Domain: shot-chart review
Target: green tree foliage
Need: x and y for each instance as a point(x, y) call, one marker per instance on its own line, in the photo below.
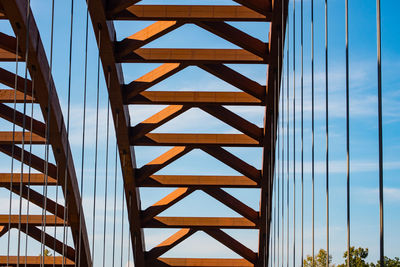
point(46, 253)
point(357, 257)
point(388, 262)
point(320, 260)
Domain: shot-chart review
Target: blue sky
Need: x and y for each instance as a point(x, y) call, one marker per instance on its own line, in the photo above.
point(363, 133)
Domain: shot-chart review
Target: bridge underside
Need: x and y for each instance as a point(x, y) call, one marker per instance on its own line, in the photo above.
point(123, 93)
point(46, 129)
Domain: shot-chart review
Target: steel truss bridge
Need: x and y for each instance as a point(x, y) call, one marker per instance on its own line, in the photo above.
point(50, 129)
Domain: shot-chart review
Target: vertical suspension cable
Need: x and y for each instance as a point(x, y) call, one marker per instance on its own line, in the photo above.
point(274, 219)
point(96, 145)
point(312, 126)
point(23, 130)
point(106, 174)
point(122, 230)
point(55, 228)
point(282, 129)
point(287, 141)
point(29, 172)
point(78, 255)
point(347, 132)
point(379, 66)
point(327, 132)
point(278, 189)
point(302, 139)
point(294, 133)
point(12, 147)
point(278, 168)
point(67, 137)
point(115, 186)
point(275, 134)
point(129, 236)
point(48, 134)
point(47, 147)
point(283, 166)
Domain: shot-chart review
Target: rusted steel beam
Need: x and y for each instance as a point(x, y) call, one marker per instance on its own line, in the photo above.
point(261, 6)
point(195, 98)
point(9, 95)
point(198, 181)
point(152, 78)
point(233, 244)
point(234, 120)
point(169, 243)
point(166, 202)
point(199, 262)
point(6, 56)
point(8, 78)
point(33, 179)
point(3, 230)
point(38, 199)
point(145, 36)
point(198, 140)
point(33, 220)
point(36, 261)
point(236, 79)
point(8, 44)
point(17, 118)
point(233, 203)
point(116, 6)
point(29, 159)
point(234, 162)
point(192, 56)
point(157, 120)
point(38, 66)
point(21, 137)
point(235, 36)
point(187, 12)
point(120, 112)
point(161, 161)
point(276, 39)
point(200, 223)
point(49, 241)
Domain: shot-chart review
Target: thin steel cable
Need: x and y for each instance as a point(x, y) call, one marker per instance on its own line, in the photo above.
point(287, 141)
point(278, 194)
point(327, 132)
point(274, 223)
point(29, 173)
point(278, 212)
point(78, 255)
point(312, 130)
point(122, 230)
point(294, 133)
point(96, 145)
point(12, 147)
point(283, 166)
point(272, 205)
point(380, 127)
point(347, 132)
point(129, 236)
point(65, 236)
point(28, 14)
point(282, 126)
point(276, 92)
point(302, 137)
point(115, 187)
point(106, 175)
point(55, 228)
point(47, 138)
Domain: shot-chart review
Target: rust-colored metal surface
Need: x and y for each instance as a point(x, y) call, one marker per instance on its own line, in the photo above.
point(122, 93)
point(39, 87)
